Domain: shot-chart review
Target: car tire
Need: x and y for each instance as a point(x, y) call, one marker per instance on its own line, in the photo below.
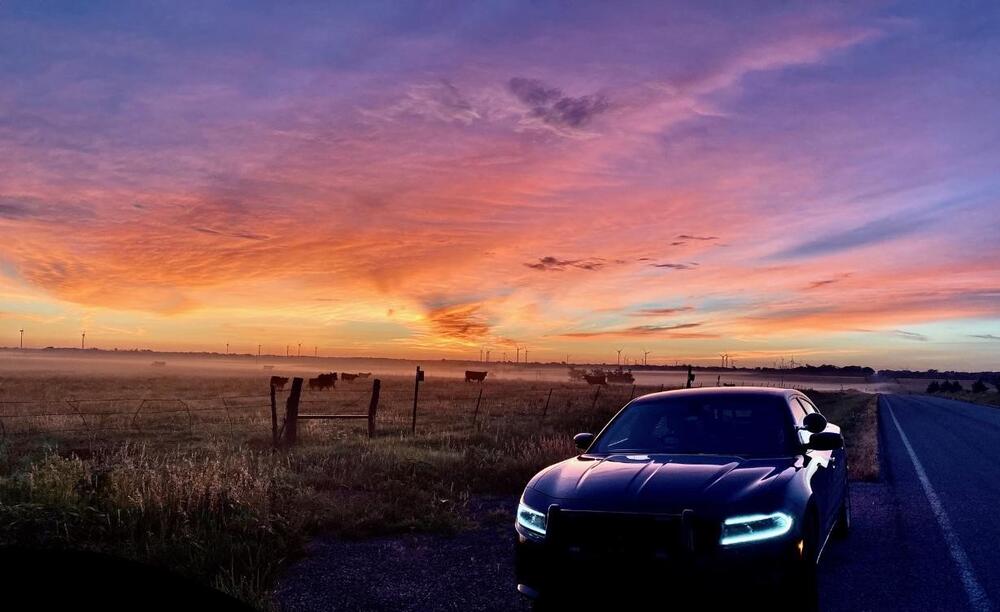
point(543, 605)
point(800, 591)
point(842, 528)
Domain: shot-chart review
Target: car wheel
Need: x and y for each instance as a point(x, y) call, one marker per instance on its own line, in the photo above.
point(842, 528)
point(801, 589)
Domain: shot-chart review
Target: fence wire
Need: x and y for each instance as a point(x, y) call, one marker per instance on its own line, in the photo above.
point(476, 403)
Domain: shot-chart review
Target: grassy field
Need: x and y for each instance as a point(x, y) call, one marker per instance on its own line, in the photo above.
point(195, 486)
point(990, 398)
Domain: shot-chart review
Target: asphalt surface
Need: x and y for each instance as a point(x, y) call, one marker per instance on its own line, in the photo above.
point(925, 537)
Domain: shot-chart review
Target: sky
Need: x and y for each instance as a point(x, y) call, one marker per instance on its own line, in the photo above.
point(770, 180)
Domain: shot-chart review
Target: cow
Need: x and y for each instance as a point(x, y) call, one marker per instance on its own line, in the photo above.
point(323, 381)
point(473, 376)
point(595, 379)
point(364, 374)
point(278, 382)
point(344, 376)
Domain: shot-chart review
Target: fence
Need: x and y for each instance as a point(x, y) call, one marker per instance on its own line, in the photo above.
point(395, 409)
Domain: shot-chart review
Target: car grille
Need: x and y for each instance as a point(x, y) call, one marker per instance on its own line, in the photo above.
point(586, 535)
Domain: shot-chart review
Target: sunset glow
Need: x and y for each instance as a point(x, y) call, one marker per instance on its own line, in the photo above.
point(413, 182)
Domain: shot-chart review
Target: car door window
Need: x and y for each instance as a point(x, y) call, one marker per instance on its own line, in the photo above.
point(799, 414)
point(808, 405)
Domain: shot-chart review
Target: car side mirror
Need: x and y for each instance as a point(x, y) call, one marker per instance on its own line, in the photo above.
point(825, 441)
point(814, 422)
point(583, 440)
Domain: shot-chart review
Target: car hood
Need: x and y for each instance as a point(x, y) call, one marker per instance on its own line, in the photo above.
point(661, 483)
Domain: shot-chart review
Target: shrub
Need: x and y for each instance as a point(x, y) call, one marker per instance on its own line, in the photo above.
point(934, 387)
point(979, 386)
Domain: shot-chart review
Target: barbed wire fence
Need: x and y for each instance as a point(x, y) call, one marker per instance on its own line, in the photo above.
point(240, 416)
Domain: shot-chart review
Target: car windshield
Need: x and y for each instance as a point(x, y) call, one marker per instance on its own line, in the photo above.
point(741, 425)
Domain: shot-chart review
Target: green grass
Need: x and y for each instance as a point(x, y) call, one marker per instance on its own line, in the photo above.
point(212, 501)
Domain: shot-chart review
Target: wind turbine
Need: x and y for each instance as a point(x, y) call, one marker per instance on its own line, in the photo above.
point(645, 354)
point(619, 363)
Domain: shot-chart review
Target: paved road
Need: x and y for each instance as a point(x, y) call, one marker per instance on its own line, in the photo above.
point(924, 538)
point(928, 536)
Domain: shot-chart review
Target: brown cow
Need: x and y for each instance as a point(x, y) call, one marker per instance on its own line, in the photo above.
point(344, 376)
point(323, 381)
point(364, 374)
point(473, 376)
point(595, 379)
point(279, 382)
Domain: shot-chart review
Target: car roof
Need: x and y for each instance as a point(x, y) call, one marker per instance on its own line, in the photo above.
point(705, 392)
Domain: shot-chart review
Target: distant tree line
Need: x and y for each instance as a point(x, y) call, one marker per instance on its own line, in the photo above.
point(947, 375)
point(954, 386)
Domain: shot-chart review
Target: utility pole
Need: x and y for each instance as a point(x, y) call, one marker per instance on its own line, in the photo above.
point(258, 352)
point(525, 355)
point(227, 348)
point(286, 351)
point(480, 354)
point(315, 351)
point(299, 354)
point(83, 340)
point(517, 357)
point(22, 339)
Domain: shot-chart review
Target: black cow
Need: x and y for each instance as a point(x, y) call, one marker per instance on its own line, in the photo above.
point(473, 376)
point(323, 381)
point(278, 382)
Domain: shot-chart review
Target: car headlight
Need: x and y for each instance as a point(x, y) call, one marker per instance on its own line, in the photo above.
point(754, 527)
point(531, 519)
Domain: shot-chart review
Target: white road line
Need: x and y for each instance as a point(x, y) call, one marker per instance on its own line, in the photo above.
point(973, 590)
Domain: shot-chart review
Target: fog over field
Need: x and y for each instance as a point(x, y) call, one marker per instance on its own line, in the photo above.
point(145, 364)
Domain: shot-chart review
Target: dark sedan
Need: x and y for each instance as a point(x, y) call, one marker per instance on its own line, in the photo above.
point(735, 487)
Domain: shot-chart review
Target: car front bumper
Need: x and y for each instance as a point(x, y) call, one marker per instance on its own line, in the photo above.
point(545, 570)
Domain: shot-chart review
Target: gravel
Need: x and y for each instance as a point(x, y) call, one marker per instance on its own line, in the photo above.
point(472, 570)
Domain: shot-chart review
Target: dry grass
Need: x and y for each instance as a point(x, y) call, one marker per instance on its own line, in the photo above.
point(989, 398)
point(209, 498)
point(857, 416)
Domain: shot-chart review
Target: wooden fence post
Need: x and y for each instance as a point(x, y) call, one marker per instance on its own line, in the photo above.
point(475, 414)
point(373, 407)
point(632, 394)
point(596, 395)
point(547, 400)
point(416, 391)
point(292, 413)
point(274, 420)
